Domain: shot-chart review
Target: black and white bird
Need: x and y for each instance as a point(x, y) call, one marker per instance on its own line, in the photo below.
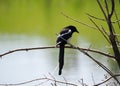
point(62, 39)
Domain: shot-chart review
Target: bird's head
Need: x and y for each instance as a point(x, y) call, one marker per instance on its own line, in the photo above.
point(72, 28)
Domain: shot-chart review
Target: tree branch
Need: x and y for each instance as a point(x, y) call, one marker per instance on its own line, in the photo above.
point(77, 21)
point(95, 17)
point(101, 31)
point(112, 36)
point(112, 9)
point(102, 9)
point(117, 20)
point(50, 47)
point(100, 64)
point(106, 6)
point(73, 47)
point(40, 79)
point(106, 80)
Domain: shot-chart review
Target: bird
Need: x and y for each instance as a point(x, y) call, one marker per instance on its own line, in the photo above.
point(62, 39)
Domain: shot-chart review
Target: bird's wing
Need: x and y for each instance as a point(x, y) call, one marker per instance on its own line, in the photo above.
point(64, 33)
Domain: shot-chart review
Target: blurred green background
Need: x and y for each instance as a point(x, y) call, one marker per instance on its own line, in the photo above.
point(44, 18)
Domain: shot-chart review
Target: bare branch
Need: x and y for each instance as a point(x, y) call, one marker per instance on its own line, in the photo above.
point(50, 47)
point(102, 9)
point(105, 32)
point(65, 80)
point(112, 9)
point(112, 36)
point(100, 64)
point(82, 82)
point(77, 21)
point(26, 49)
point(39, 79)
point(106, 6)
point(106, 80)
point(102, 32)
point(95, 17)
point(93, 80)
point(53, 79)
point(117, 19)
point(57, 81)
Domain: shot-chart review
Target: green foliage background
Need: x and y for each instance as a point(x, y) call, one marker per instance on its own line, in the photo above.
point(44, 18)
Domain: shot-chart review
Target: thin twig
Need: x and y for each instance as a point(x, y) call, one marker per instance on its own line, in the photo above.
point(77, 21)
point(53, 79)
point(107, 79)
point(82, 82)
point(95, 17)
point(112, 9)
point(93, 79)
point(106, 6)
point(102, 32)
point(30, 81)
point(39, 79)
point(102, 9)
point(65, 80)
point(25, 49)
point(117, 19)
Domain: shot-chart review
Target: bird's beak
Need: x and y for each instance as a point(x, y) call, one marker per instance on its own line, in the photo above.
point(77, 31)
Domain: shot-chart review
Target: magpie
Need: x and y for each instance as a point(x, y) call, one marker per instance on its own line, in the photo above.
point(62, 39)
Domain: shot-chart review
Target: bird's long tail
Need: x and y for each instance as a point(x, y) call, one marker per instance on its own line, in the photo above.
point(61, 59)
